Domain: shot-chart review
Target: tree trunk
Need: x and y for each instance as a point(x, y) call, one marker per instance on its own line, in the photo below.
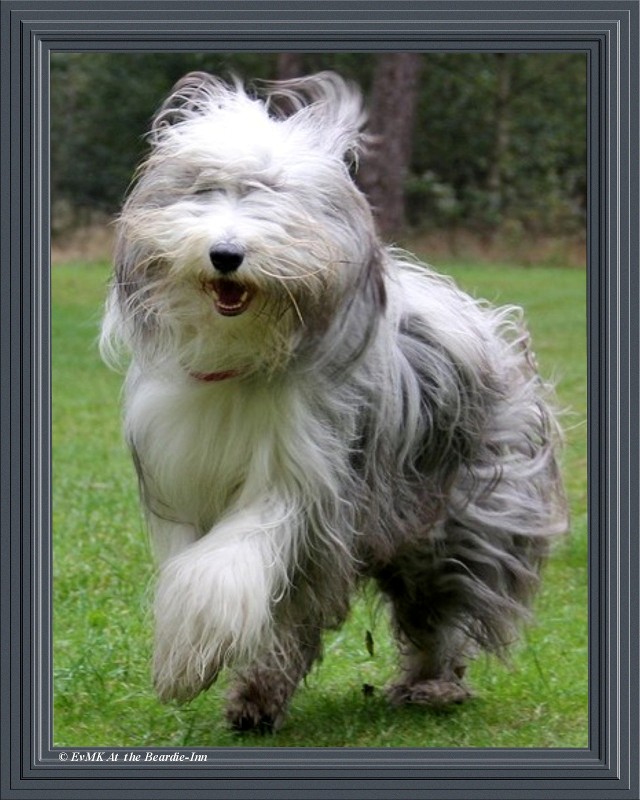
point(383, 171)
point(496, 175)
point(289, 65)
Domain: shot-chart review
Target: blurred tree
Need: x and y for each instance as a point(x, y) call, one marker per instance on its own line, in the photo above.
point(527, 112)
point(290, 65)
point(385, 168)
point(501, 131)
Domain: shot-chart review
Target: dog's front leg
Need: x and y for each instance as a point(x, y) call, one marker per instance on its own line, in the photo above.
point(259, 699)
point(214, 599)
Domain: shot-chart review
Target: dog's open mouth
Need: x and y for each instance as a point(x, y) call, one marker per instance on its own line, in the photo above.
point(230, 297)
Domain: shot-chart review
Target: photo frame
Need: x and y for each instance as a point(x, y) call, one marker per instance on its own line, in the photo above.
point(609, 36)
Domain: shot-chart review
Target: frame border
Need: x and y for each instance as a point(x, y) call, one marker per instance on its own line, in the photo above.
point(608, 33)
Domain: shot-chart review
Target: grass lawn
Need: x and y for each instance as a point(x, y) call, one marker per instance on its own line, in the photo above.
point(102, 572)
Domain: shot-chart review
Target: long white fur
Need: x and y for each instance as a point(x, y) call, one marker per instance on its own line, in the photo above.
point(240, 463)
point(250, 478)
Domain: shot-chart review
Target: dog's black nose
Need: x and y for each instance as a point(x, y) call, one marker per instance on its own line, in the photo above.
point(226, 257)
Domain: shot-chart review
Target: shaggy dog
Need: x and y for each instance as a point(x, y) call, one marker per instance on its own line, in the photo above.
point(308, 409)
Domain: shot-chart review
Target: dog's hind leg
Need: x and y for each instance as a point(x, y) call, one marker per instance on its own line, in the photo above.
point(259, 699)
point(434, 651)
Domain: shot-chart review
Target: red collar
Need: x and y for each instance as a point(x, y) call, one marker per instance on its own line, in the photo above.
point(214, 377)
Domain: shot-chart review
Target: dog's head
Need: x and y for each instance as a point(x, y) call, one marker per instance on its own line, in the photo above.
point(244, 240)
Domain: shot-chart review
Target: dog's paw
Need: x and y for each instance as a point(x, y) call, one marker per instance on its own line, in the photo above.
point(249, 716)
point(245, 713)
point(434, 693)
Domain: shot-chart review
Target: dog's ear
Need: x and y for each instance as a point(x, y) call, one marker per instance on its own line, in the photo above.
point(191, 96)
point(329, 108)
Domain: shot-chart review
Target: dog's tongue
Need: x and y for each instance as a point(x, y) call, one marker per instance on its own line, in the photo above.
point(231, 297)
point(229, 292)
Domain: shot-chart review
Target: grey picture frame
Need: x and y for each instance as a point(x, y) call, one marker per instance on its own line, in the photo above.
point(608, 34)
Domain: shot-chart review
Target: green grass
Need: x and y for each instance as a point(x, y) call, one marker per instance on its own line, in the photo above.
point(102, 572)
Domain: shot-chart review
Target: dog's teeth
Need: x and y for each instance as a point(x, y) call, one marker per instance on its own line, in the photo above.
point(238, 300)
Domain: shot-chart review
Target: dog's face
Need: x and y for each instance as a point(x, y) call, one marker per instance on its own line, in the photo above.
point(244, 233)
